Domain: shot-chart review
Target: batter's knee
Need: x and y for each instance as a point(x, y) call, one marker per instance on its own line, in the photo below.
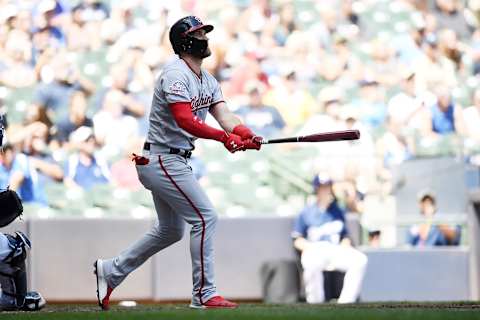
point(167, 234)
point(207, 220)
point(210, 218)
point(176, 235)
point(171, 235)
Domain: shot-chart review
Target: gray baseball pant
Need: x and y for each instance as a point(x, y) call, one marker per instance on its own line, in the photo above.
point(178, 197)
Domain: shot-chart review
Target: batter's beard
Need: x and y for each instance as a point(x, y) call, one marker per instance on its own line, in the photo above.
point(200, 48)
point(206, 53)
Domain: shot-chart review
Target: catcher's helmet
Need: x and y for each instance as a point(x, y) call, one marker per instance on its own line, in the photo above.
point(181, 39)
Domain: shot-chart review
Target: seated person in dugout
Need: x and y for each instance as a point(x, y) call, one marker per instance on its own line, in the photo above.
point(320, 235)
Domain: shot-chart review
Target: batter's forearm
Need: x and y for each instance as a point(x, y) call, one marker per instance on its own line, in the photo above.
point(229, 122)
point(225, 118)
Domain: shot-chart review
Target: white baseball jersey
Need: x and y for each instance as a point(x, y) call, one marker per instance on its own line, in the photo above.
point(178, 83)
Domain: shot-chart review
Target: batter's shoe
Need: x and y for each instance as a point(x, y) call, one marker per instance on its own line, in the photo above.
point(217, 302)
point(103, 290)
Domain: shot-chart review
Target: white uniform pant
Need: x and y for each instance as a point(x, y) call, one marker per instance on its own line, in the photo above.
point(326, 256)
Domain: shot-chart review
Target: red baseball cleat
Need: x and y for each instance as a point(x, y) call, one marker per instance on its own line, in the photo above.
point(217, 302)
point(103, 290)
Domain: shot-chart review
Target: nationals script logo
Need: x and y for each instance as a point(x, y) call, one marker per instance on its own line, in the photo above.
point(203, 102)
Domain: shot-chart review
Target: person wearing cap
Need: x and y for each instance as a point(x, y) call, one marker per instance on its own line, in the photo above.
point(85, 169)
point(262, 119)
point(46, 13)
point(427, 233)
point(321, 237)
point(405, 107)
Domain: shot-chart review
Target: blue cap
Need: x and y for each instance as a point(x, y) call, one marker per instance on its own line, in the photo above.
point(321, 180)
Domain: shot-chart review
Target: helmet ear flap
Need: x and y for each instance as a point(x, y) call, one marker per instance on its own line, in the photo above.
point(177, 39)
point(186, 44)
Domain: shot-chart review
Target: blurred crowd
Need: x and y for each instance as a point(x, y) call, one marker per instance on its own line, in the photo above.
point(404, 72)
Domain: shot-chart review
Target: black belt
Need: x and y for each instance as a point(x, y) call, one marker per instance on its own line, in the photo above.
point(183, 153)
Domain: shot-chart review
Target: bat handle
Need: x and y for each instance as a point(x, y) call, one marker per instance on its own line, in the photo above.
point(260, 139)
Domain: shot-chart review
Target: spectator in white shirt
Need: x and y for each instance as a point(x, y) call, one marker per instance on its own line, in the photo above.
point(404, 107)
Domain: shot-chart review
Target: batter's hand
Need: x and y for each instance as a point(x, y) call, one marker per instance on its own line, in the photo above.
point(243, 131)
point(233, 142)
point(253, 143)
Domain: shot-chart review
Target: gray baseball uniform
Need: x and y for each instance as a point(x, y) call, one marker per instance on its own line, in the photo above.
point(176, 193)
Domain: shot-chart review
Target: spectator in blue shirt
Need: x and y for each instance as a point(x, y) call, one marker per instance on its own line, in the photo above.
point(428, 233)
point(85, 169)
point(35, 146)
point(444, 116)
point(266, 121)
point(18, 173)
point(321, 236)
point(47, 12)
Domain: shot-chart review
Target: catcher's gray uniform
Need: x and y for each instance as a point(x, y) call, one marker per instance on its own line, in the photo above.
point(176, 193)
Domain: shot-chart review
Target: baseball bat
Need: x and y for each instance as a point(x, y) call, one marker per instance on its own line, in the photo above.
point(319, 137)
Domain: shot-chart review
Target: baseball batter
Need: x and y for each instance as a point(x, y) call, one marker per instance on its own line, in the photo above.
point(184, 93)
